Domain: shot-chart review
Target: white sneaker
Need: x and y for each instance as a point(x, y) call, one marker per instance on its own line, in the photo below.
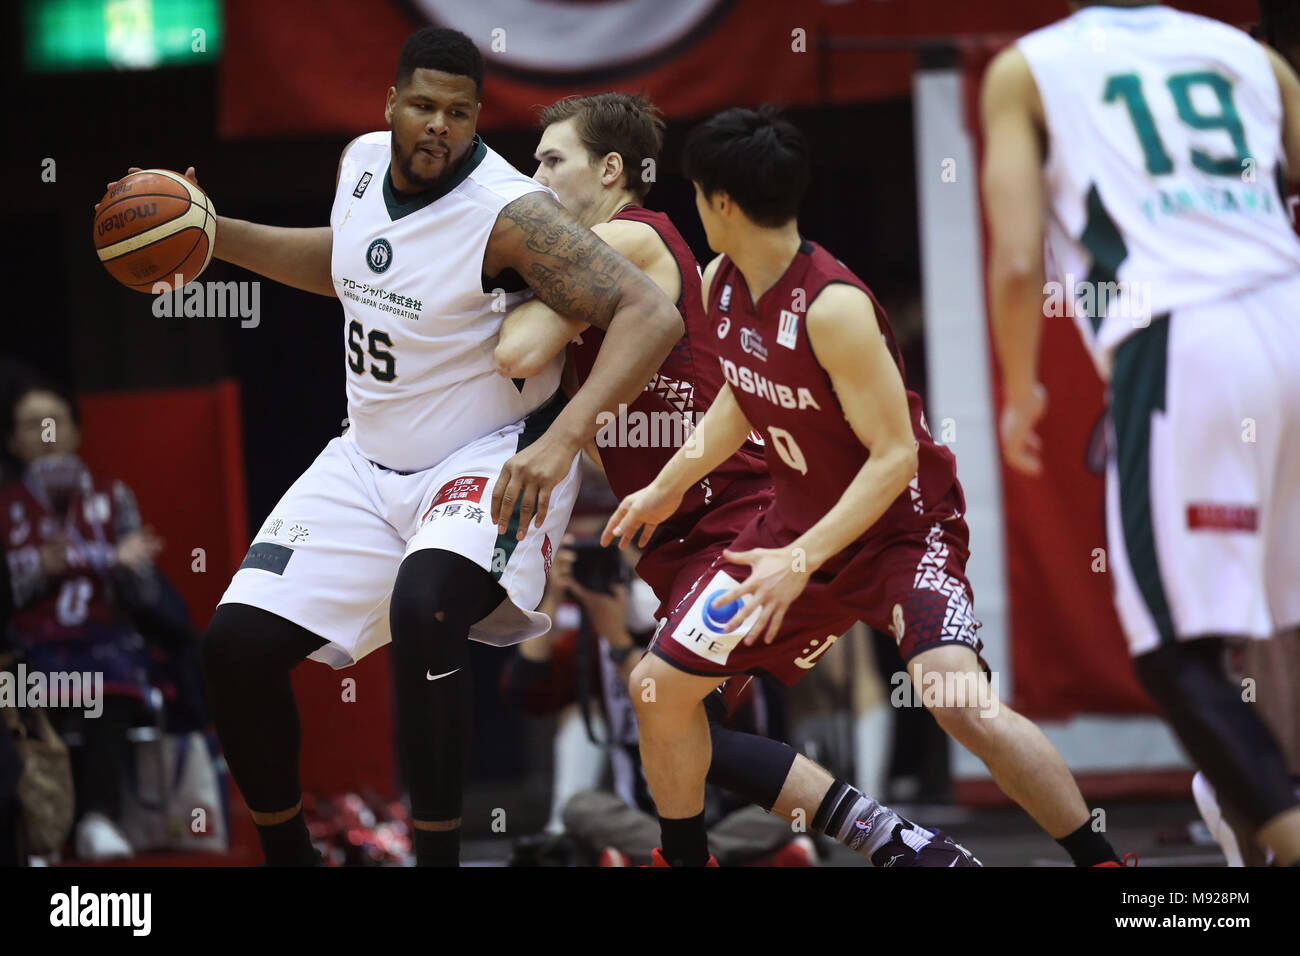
point(98, 838)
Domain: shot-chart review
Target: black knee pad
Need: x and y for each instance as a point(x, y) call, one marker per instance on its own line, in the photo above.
point(241, 639)
point(715, 708)
point(247, 656)
point(437, 597)
point(753, 767)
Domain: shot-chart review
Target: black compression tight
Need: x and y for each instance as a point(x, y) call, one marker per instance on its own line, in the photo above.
point(438, 596)
point(1223, 734)
point(247, 656)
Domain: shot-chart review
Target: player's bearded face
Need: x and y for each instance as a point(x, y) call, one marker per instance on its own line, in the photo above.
point(433, 118)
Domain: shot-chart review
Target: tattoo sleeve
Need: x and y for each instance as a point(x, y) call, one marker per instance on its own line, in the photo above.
point(575, 273)
point(566, 264)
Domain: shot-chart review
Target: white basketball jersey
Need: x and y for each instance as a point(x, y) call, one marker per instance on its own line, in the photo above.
point(1164, 166)
point(419, 327)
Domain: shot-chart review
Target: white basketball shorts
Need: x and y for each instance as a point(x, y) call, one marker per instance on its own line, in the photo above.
point(1203, 477)
point(327, 556)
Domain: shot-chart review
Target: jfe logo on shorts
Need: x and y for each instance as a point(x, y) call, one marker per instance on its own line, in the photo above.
point(701, 630)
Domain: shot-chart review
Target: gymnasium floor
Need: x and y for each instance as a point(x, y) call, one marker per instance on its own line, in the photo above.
point(1161, 834)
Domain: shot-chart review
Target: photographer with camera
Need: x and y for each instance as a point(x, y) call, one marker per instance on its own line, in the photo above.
point(586, 657)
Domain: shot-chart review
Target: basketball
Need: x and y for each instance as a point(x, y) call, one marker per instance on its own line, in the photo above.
point(152, 226)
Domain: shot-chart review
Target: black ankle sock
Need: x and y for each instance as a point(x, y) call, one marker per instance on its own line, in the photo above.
point(437, 847)
point(287, 843)
point(1087, 847)
point(685, 841)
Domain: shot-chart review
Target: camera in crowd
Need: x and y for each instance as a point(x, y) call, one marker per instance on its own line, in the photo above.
point(599, 568)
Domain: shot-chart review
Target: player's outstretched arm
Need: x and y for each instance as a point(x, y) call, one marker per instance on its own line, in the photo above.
point(295, 257)
point(1011, 113)
point(534, 333)
point(717, 437)
point(579, 276)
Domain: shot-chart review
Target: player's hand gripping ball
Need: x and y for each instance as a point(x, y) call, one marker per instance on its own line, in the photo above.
point(152, 226)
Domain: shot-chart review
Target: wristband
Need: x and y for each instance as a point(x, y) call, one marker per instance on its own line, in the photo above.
point(621, 654)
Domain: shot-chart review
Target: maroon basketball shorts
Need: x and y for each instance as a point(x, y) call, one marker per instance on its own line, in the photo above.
point(684, 550)
point(911, 584)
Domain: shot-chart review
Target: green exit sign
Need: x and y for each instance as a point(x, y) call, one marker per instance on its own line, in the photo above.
point(67, 35)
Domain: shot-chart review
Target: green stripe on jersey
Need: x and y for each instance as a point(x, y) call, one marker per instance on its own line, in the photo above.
point(1137, 389)
point(1101, 237)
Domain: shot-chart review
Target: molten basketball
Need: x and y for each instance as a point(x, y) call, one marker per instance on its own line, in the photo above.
point(152, 226)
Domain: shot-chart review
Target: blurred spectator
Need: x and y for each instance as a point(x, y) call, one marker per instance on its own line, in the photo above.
point(15, 379)
point(79, 566)
point(603, 618)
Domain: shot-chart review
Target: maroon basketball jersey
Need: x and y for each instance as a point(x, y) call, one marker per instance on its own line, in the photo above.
point(81, 596)
point(634, 449)
point(812, 452)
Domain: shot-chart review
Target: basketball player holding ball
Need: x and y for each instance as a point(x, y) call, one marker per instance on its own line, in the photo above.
point(432, 519)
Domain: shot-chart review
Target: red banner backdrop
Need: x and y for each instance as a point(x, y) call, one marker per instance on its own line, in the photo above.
point(324, 66)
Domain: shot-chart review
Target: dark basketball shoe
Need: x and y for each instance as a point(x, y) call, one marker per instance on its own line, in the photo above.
point(909, 846)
